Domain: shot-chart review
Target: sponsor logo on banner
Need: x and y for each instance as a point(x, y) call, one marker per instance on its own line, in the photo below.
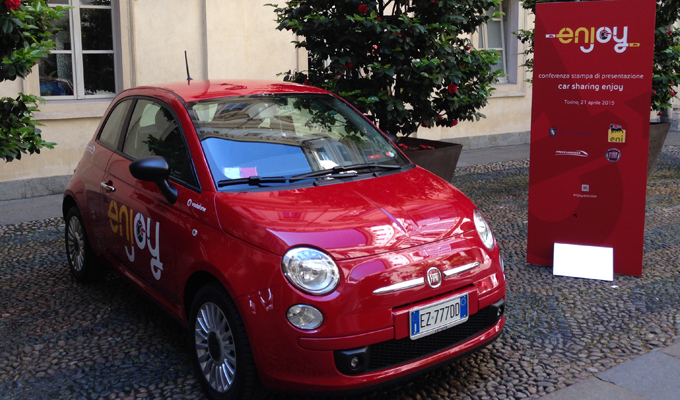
point(613, 155)
point(575, 153)
point(585, 192)
point(554, 132)
point(588, 36)
point(617, 134)
point(585, 196)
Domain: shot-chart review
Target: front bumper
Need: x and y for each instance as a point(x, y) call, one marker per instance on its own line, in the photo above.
point(289, 361)
point(375, 327)
point(393, 353)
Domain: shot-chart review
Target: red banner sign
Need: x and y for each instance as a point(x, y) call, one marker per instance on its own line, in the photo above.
point(590, 128)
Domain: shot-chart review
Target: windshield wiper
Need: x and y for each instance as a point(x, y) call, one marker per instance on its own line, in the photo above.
point(337, 172)
point(252, 180)
point(343, 171)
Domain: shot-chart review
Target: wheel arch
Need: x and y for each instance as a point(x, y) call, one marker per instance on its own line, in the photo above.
point(67, 204)
point(195, 282)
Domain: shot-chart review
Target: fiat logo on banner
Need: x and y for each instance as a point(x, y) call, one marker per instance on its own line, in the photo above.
point(434, 277)
point(613, 155)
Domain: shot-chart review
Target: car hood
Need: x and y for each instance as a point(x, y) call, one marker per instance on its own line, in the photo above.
point(349, 219)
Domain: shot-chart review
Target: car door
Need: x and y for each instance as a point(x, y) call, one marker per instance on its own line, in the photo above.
point(142, 220)
point(94, 163)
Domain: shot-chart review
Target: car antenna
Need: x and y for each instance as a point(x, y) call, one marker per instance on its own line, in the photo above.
point(186, 60)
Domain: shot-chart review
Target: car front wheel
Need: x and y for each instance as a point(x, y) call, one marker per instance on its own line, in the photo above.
point(219, 347)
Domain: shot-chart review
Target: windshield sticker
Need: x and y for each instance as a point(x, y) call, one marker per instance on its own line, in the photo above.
point(239, 172)
point(137, 231)
point(374, 156)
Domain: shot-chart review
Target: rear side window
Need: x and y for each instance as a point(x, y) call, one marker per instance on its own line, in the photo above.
point(110, 133)
point(153, 130)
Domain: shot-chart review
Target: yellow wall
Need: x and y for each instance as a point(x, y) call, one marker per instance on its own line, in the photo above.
point(503, 115)
point(71, 136)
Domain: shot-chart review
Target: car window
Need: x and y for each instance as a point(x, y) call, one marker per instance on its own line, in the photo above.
point(285, 135)
point(153, 130)
point(110, 133)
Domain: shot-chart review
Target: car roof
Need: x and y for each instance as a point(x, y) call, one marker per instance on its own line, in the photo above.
point(209, 89)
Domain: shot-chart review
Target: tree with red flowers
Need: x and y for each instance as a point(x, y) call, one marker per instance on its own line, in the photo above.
point(404, 63)
point(25, 30)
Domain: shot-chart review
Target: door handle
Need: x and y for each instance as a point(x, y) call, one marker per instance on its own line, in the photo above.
point(108, 187)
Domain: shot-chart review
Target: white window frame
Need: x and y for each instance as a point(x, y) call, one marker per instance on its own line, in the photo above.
point(484, 38)
point(77, 51)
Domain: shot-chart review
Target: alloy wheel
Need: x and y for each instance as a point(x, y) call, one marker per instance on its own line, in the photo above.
point(215, 347)
point(76, 244)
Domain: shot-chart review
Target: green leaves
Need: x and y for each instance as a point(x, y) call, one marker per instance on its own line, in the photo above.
point(18, 131)
point(394, 61)
point(666, 74)
point(29, 26)
point(24, 39)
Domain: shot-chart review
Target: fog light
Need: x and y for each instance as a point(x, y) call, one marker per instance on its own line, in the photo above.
point(304, 317)
point(354, 363)
point(351, 362)
point(497, 310)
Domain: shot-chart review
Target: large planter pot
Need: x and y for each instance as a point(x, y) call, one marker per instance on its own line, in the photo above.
point(441, 160)
point(657, 135)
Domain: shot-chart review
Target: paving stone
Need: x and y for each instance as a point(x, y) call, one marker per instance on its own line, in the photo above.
point(559, 331)
point(653, 375)
point(593, 389)
point(673, 350)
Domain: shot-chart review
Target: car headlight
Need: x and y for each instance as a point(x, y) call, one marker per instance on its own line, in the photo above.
point(310, 270)
point(483, 229)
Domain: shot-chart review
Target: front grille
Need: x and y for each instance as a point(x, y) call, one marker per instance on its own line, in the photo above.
point(395, 352)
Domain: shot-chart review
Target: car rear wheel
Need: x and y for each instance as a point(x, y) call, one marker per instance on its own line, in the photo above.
point(81, 259)
point(219, 347)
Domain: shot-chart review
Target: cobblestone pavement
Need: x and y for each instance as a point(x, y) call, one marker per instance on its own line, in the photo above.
point(59, 339)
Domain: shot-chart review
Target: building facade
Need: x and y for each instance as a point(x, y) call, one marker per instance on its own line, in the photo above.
point(106, 46)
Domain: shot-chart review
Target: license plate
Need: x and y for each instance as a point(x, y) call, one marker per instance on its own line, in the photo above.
point(436, 317)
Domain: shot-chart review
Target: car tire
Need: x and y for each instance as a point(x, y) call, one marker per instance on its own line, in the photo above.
point(220, 349)
point(82, 262)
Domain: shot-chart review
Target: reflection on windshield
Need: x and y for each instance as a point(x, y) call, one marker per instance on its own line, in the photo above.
point(285, 135)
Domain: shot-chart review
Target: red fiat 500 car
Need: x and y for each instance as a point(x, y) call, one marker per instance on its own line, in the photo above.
point(297, 243)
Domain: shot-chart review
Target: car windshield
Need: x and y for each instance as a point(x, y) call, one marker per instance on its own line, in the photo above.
point(288, 135)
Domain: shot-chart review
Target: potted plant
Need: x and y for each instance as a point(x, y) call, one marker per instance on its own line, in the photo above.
point(406, 64)
point(25, 29)
point(666, 73)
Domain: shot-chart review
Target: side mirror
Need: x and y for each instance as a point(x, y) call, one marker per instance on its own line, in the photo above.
point(155, 169)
